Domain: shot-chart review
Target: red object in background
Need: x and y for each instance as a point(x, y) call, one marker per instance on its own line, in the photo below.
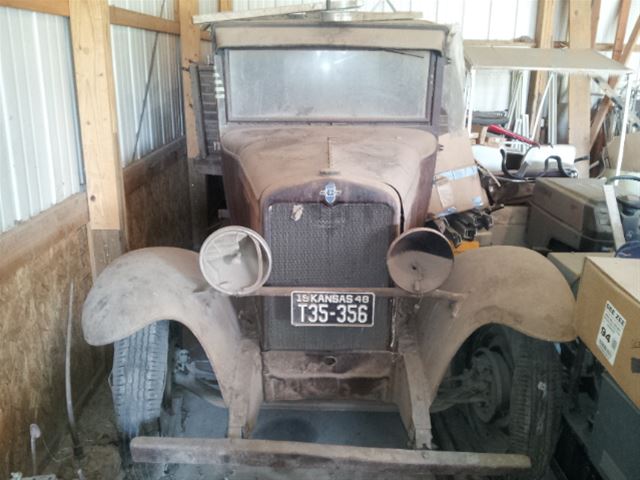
point(508, 133)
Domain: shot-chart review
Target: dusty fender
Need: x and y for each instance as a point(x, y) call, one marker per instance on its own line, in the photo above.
point(152, 284)
point(511, 286)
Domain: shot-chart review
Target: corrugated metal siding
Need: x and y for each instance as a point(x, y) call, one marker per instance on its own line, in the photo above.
point(207, 6)
point(162, 120)
point(479, 19)
point(150, 7)
point(239, 5)
point(132, 53)
point(40, 155)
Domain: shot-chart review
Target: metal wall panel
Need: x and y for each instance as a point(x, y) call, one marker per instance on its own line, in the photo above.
point(478, 19)
point(162, 121)
point(133, 48)
point(150, 7)
point(207, 6)
point(40, 154)
point(239, 5)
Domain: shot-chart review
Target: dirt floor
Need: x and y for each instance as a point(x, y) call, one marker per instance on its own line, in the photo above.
point(99, 438)
point(97, 431)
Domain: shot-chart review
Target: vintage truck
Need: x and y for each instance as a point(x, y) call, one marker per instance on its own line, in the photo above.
point(327, 288)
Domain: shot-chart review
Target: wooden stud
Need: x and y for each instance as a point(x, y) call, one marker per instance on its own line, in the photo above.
point(595, 19)
point(176, 10)
point(580, 85)
point(544, 39)
point(621, 28)
point(91, 46)
point(53, 7)
point(226, 5)
point(190, 54)
point(129, 18)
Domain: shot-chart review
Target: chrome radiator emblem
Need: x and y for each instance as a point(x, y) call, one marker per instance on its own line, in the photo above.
point(330, 193)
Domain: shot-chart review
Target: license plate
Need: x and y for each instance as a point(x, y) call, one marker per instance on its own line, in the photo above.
point(330, 309)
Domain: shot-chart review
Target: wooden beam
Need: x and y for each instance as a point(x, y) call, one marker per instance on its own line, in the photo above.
point(544, 39)
point(580, 85)
point(53, 7)
point(595, 19)
point(190, 54)
point(27, 240)
point(621, 28)
point(129, 18)
point(91, 46)
point(631, 44)
point(621, 53)
point(226, 5)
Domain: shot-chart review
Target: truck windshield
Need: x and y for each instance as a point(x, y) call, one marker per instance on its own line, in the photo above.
point(327, 85)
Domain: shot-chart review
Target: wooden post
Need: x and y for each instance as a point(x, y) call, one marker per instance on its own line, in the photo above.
point(595, 19)
point(621, 28)
point(580, 85)
point(189, 54)
point(544, 39)
point(93, 66)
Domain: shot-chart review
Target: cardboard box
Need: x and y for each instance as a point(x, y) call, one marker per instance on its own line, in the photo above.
point(456, 182)
point(607, 316)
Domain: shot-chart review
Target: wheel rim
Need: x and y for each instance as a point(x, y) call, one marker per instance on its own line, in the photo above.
point(492, 363)
point(491, 369)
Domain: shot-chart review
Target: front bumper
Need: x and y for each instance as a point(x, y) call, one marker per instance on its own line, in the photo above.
point(280, 455)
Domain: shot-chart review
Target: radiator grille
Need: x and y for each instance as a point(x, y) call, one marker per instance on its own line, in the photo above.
point(316, 245)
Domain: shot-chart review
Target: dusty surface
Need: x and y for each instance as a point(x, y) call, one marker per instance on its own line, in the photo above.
point(199, 419)
point(97, 431)
point(158, 204)
point(33, 316)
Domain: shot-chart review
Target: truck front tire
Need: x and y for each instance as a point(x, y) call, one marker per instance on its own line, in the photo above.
point(138, 383)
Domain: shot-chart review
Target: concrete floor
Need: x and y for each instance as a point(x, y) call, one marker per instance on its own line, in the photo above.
point(199, 419)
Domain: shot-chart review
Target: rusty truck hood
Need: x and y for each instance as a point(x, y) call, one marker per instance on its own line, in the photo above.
point(277, 156)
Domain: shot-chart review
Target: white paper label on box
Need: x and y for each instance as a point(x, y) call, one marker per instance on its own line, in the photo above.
point(610, 332)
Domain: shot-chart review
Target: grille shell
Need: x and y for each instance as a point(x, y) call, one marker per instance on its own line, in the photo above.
point(344, 245)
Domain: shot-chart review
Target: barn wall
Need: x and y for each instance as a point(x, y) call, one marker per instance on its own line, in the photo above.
point(34, 293)
point(145, 124)
point(157, 198)
point(43, 210)
point(39, 138)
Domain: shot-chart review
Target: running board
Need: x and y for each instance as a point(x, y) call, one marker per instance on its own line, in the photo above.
point(299, 455)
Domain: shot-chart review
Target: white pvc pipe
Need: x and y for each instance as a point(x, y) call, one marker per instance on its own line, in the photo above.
point(623, 132)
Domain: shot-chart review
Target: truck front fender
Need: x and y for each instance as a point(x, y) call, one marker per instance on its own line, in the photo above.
point(511, 286)
point(153, 284)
